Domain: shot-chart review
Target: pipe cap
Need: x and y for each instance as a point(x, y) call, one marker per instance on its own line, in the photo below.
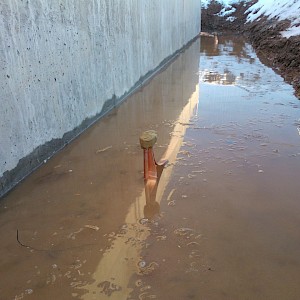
point(148, 139)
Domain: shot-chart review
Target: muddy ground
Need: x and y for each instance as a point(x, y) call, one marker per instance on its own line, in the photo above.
point(280, 53)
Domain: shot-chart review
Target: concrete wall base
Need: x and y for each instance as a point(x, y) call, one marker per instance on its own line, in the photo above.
point(42, 153)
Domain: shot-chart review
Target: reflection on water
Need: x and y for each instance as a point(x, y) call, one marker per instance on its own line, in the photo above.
point(82, 215)
point(225, 48)
point(214, 77)
point(122, 260)
point(223, 222)
point(230, 220)
point(152, 207)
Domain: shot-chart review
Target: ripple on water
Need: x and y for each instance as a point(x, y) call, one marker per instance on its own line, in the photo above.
point(145, 269)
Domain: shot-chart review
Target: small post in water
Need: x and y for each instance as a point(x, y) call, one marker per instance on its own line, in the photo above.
point(152, 169)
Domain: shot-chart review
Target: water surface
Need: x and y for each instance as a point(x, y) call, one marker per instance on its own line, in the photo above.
point(225, 221)
point(74, 229)
point(230, 214)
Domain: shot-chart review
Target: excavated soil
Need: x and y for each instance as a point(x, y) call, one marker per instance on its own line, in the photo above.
point(211, 22)
point(280, 53)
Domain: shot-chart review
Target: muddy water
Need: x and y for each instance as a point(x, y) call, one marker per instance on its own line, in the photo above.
point(225, 221)
point(230, 213)
point(76, 227)
point(230, 224)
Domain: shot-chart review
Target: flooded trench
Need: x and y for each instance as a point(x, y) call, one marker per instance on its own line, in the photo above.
point(225, 221)
point(72, 229)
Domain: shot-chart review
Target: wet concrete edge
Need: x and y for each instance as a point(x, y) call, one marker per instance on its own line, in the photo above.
point(42, 153)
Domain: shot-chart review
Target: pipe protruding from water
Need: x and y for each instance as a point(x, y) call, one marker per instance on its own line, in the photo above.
point(152, 169)
point(148, 139)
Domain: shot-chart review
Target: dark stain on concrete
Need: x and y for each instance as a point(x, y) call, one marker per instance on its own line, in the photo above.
point(43, 152)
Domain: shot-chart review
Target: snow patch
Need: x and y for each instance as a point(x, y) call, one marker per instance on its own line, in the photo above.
point(231, 19)
point(292, 31)
point(278, 9)
point(224, 3)
point(224, 12)
point(205, 3)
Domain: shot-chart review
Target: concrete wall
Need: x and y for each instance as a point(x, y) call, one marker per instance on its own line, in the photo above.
point(64, 63)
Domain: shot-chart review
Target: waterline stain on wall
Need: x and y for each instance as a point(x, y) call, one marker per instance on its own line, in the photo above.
point(64, 64)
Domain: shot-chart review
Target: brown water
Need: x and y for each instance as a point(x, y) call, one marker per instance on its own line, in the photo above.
point(225, 223)
point(79, 214)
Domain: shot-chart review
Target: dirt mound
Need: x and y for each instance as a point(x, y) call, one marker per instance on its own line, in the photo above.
point(282, 54)
point(211, 21)
point(278, 52)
